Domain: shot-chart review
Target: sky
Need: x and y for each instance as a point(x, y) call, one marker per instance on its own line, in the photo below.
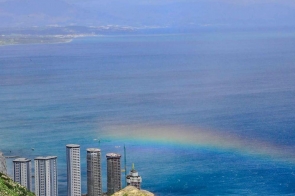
point(138, 13)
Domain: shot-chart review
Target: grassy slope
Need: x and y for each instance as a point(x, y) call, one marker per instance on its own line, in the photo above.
point(10, 188)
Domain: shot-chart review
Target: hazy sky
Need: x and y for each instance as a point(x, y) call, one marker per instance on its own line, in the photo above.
point(148, 12)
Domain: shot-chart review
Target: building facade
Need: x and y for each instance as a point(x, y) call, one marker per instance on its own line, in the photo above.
point(113, 173)
point(94, 185)
point(46, 176)
point(133, 178)
point(73, 170)
point(22, 172)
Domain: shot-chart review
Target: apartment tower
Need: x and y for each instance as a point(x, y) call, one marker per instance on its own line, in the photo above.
point(22, 172)
point(73, 170)
point(94, 185)
point(113, 173)
point(46, 176)
point(133, 178)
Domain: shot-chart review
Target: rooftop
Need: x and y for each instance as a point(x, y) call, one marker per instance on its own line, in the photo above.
point(21, 160)
point(93, 150)
point(45, 158)
point(113, 155)
point(73, 146)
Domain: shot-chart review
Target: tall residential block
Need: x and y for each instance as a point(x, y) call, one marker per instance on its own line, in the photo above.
point(73, 170)
point(94, 185)
point(113, 173)
point(133, 178)
point(22, 172)
point(46, 176)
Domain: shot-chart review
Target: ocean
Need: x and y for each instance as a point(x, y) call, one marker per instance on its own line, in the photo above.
point(208, 113)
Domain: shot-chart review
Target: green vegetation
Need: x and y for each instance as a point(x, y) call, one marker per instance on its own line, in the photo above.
point(10, 188)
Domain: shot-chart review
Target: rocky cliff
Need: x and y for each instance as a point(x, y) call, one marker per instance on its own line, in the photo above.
point(2, 164)
point(132, 191)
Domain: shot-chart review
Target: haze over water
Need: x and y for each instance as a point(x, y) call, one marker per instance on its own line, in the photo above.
point(210, 113)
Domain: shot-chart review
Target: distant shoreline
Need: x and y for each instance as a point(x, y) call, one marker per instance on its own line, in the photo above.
point(30, 40)
point(33, 43)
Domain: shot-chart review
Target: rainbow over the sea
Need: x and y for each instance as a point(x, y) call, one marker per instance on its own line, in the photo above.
point(214, 140)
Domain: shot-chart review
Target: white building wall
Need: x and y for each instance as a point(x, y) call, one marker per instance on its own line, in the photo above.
point(36, 179)
point(45, 176)
point(74, 171)
point(22, 172)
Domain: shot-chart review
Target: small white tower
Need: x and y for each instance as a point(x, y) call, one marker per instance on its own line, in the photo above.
point(133, 178)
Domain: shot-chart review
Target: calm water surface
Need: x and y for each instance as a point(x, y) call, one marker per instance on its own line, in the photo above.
point(200, 114)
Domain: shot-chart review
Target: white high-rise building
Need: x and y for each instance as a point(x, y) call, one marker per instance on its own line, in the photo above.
point(94, 185)
point(73, 170)
point(22, 172)
point(46, 176)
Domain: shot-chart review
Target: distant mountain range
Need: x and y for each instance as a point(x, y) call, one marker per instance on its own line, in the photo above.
point(138, 13)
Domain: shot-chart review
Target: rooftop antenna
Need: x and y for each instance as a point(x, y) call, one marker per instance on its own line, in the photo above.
point(125, 165)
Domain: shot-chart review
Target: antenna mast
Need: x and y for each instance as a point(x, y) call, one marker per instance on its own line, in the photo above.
point(125, 165)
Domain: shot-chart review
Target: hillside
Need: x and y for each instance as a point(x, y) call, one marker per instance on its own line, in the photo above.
point(132, 191)
point(10, 188)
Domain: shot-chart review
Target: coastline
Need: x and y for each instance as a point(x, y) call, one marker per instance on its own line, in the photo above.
point(55, 39)
point(18, 44)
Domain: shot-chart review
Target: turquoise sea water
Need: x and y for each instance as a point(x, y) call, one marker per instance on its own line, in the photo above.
point(200, 114)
